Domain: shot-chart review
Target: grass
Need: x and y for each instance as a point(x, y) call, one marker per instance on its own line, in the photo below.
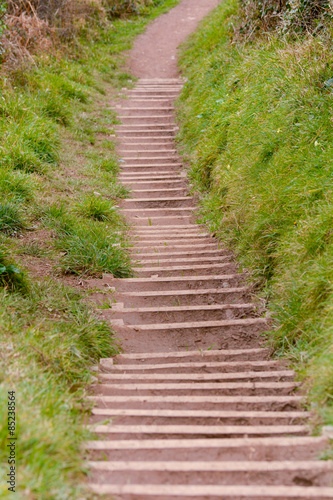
point(59, 221)
point(92, 250)
point(256, 128)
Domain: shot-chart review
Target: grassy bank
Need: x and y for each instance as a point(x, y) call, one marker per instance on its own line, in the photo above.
point(256, 128)
point(59, 224)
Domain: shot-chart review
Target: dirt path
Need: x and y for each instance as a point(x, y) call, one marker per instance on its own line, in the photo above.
point(154, 54)
point(197, 407)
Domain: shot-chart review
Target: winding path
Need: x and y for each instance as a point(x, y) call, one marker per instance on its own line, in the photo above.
point(198, 408)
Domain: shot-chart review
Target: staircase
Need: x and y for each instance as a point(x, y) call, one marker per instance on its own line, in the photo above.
point(195, 408)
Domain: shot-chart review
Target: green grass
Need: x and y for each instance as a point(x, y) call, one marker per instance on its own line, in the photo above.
point(58, 216)
point(256, 127)
point(92, 249)
point(49, 339)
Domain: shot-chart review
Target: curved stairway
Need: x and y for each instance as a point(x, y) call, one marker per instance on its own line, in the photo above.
point(196, 407)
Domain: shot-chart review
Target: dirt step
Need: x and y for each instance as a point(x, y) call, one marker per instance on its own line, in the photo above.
point(180, 232)
point(192, 356)
point(144, 110)
point(151, 160)
point(160, 212)
point(181, 256)
point(150, 103)
point(149, 140)
point(166, 168)
point(141, 417)
point(209, 402)
point(178, 313)
point(194, 270)
point(175, 283)
point(195, 431)
point(146, 146)
point(158, 261)
point(137, 186)
point(224, 450)
point(166, 202)
point(243, 388)
point(112, 475)
point(166, 492)
point(182, 296)
point(164, 248)
point(164, 220)
point(152, 177)
point(159, 237)
point(189, 367)
point(139, 152)
point(159, 193)
point(158, 131)
point(215, 376)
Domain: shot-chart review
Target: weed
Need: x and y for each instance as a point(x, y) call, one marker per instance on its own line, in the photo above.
point(10, 276)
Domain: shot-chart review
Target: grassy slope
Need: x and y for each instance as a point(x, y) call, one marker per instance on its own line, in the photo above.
point(256, 127)
point(58, 191)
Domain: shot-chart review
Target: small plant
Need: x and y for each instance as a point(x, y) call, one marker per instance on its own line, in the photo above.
point(10, 276)
point(109, 165)
point(33, 249)
point(11, 217)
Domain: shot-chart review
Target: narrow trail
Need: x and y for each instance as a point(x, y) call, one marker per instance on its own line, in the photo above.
point(198, 407)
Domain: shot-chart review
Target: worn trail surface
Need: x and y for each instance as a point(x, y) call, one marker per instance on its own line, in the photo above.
point(196, 406)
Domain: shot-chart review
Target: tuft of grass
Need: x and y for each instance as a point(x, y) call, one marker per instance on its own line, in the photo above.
point(93, 249)
point(11, 217)
point(97, 208)
point(256, 127)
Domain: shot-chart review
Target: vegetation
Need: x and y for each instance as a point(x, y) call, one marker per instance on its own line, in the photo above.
point(58, 223)
point(256, 127)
